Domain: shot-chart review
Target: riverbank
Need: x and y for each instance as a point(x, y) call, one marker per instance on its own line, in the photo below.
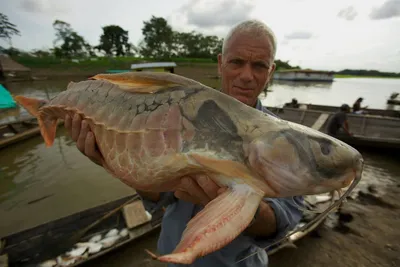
point(54, 68)
point(363, 76)
point(368, 237)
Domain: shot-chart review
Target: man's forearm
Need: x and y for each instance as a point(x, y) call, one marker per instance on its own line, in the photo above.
point(153, 196)
point(265, 223)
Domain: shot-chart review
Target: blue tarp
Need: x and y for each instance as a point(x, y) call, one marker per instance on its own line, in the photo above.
point(6, 100)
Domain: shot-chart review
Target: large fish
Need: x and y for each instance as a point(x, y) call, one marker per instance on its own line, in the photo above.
point(154, 128)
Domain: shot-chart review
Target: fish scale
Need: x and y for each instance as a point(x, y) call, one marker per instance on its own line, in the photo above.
point(154, 128)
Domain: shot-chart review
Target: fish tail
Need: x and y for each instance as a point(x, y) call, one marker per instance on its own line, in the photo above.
point(48, 125)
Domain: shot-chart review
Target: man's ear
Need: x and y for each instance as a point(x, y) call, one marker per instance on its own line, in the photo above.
point(272, 70)
point(219, 57)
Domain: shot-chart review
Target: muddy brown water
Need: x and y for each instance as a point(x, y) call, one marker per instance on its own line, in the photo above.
point(39, 184)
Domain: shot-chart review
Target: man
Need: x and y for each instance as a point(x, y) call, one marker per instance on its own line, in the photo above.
point(246, 65)
point(357, 109)
point(339, 121)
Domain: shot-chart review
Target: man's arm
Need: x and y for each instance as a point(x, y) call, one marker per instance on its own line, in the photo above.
point(346, 127)
point(275, 218)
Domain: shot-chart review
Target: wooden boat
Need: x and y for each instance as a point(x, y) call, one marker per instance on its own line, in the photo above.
point(327, 108)
point(55, 241)
point(394, 99)
point(371, 131)
point(50, 242)
point(15, 131)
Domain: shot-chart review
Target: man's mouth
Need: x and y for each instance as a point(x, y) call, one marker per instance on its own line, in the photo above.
point(242, 89)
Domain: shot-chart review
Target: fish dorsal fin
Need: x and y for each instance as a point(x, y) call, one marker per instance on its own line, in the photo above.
point(145, 82)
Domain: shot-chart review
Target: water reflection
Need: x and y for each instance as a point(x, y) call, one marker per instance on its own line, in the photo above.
point(302, 84)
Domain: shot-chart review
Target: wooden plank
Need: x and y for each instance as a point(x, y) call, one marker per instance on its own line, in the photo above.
point(3, 260)
point(320, 121)
point(302, 116)
point(363, 126)
point(22, 136)
point(135, 214)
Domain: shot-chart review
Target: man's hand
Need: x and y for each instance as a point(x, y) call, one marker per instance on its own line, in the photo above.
point(80, 132)
point(199, 189)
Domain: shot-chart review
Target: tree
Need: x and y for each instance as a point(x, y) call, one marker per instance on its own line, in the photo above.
point(158, 38)
point(114, 41)
point(7, 29)
point(71, 43)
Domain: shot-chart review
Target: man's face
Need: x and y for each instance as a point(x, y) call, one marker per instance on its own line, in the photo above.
point(246, 67)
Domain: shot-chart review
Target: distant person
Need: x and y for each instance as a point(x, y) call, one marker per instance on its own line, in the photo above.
point(294, 103)
point(357, 106)
point(339, 121)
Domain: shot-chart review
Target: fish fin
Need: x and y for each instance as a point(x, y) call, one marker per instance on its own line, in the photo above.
point(145, 82)
point(48, 126)
point(32, 105)
point(220, 222)
point(225, 167)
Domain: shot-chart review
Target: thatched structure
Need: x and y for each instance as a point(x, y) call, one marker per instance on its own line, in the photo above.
point(12, 70)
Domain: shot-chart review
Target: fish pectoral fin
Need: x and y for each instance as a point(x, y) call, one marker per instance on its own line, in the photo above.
point(227, 168)
point(221, 221)
point(145, 82)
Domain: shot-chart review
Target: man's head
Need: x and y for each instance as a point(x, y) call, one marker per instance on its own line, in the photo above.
point(345, 108)
point(246, 63)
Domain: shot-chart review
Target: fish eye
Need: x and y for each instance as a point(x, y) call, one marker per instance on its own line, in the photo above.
point(325, 148)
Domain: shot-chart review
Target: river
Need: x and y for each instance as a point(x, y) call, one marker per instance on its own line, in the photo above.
point(39, 184)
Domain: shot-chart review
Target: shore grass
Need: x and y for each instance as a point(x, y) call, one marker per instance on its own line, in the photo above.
point(49, 66)
point(361, 76)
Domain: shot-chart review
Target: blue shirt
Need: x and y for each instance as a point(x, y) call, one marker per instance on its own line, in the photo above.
point(178, 213)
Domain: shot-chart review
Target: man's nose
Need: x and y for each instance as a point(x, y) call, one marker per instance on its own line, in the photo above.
point(246, 75)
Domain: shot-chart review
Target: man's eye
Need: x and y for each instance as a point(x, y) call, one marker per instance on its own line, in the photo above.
point(260, 65)
point(236, 61)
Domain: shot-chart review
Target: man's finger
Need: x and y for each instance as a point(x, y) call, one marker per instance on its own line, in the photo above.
point(183, 195)
point(195, 190)
point(68, 124)
point(90, 149)
point(208, 186)
point(76, 127)
point(80, 143)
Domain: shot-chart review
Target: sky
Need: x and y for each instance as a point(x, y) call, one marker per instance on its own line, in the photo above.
point(316, 34)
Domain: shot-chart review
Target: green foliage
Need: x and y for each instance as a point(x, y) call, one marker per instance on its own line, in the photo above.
point(365, 73)
point(7, 29)
point(158, 39)
point(160, 43)
point(71, 43)
point(114, 41)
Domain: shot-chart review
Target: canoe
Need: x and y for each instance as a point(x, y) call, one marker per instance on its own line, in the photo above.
point(370, 131)
point(124, 220)
point(14, 131)
point(327, 108)
point(49, 243)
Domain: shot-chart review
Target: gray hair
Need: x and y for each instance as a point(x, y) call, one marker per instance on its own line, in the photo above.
point(256, 27)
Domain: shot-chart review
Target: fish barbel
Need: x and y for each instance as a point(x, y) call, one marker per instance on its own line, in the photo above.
point(152, 129)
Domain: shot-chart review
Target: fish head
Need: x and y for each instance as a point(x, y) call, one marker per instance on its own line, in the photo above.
point(298, 160)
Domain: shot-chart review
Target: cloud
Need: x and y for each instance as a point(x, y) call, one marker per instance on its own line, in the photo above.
point(296, 35)
point(42, 6)
point(348, 13)
point(211, 14)
point(389, 9)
